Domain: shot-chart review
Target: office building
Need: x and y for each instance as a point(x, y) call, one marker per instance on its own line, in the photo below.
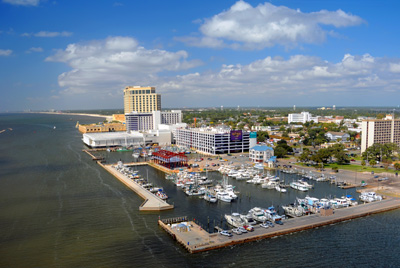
point(147, 121)
point(141, 99)
point(214, 141)
point(380, 131)
point(302, 117)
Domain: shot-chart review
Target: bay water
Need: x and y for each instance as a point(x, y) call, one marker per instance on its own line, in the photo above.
point(58, 208)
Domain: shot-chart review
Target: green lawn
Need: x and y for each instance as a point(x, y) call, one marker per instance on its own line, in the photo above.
point(358, 168)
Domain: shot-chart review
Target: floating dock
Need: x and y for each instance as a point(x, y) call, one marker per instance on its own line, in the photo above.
point(195, 239)
point(151, 203)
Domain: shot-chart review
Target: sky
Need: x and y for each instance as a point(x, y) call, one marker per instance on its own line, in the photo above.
point(75, 55)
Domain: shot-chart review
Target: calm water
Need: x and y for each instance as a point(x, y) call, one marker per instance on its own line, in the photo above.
point(60, 209)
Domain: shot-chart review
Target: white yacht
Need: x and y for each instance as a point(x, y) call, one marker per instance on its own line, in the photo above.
point(298, 186)
point(223, 196)
point(271, 184)
point(279, 189)
point(258, 214)
point(235, 220)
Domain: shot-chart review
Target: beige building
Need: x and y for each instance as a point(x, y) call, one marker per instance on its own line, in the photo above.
point(93, 128)
point(118, 117)
point(380, 131)
point(141, 99)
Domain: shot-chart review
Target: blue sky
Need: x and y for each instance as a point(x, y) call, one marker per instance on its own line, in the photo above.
point(81, 54)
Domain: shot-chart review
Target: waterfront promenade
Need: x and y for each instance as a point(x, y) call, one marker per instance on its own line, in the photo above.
point(151, 203)
point(197, 239)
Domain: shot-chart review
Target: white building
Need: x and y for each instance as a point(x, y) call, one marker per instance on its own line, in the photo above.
point(261, 153)
point(135, 139)
point(148, 121)
point(302, 117)
point(214, 141)
point(334, 136)
point(379, 131)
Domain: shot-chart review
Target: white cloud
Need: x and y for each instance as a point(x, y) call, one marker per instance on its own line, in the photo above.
point(267, 25)
point(48, 34)
point(34, 49)
point(22, 2)
point(5, 52)
point(108, 65)
point(277, 81)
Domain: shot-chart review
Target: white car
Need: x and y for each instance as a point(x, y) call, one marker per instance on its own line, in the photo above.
point(236, 231)
point(264, 225)
point(242, 229)
point(225, 233)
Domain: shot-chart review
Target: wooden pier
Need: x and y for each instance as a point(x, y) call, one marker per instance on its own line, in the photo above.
point(195, 239)
point(151, 201)
point(96, 158)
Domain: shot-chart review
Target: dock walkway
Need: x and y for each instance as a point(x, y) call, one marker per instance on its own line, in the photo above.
point(198, 240)
point(151, 203)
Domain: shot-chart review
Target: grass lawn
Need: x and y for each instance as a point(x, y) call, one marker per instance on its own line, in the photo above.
point(358, 168)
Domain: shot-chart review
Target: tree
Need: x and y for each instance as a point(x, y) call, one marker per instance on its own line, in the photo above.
point(280, 152)
point(363, 163)
point(372, 162)
point(262, 136)
point(397, 166)
point(305, 156)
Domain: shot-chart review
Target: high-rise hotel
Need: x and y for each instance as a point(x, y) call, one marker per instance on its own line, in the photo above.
point(141, 99)
point(380, 131)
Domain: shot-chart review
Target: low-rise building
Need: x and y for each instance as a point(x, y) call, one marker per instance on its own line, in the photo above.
point(261, 154)
point(302, 117)
point(93, 128)
point(215, 141)
point(334, 136)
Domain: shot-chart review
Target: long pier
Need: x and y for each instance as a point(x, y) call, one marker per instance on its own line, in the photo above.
point(195, 239)
point(151, 201)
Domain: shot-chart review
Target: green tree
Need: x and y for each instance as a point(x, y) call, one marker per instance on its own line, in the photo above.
point(305, 156)
point(372, 162)
point(363, 163)
point(280, 152)
point(397, 166)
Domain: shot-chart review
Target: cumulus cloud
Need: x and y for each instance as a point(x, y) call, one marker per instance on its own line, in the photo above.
point(266, 25)
point(48, 34)
point(108, 65)
point(275, 81)
point(5, 52)
point(34, 49)
point(22, 2)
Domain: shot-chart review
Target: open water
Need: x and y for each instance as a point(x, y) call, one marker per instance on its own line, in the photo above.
point(58, 208)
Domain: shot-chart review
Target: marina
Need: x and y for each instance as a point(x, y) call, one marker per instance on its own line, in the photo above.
point(195, 239)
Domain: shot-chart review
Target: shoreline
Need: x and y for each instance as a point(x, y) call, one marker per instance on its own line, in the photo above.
point(80, 114)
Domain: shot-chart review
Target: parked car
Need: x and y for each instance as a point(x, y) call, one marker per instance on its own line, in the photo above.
point(264, 225)
point(383, 179)
point(242, 229)
point(236, 231)
point(249, 228)
point(353, 160)
point(225, 233)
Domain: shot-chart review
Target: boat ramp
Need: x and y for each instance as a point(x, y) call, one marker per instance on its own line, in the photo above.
point(195, 239)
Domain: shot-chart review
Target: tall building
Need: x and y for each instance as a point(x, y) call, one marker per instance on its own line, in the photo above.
point(141, 99)
point(380, 131)
point(301, 118)
point(147, 121)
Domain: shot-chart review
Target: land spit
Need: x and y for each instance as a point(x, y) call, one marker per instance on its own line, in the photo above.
point(195, 239)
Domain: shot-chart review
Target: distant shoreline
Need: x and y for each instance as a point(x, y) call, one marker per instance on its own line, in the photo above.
point(81, 114)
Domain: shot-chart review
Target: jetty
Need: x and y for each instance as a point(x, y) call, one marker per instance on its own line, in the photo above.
point(151, 201)
point(195, 239)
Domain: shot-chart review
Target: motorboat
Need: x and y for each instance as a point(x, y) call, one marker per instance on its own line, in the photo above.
point(370, 197)
point(271, 184)
point(258, 214)
point(209, 197)
point(298, 186)
point(248, 219)
point(293, 211)
point(235, 220)
point(279, 189)
point(223, 196)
